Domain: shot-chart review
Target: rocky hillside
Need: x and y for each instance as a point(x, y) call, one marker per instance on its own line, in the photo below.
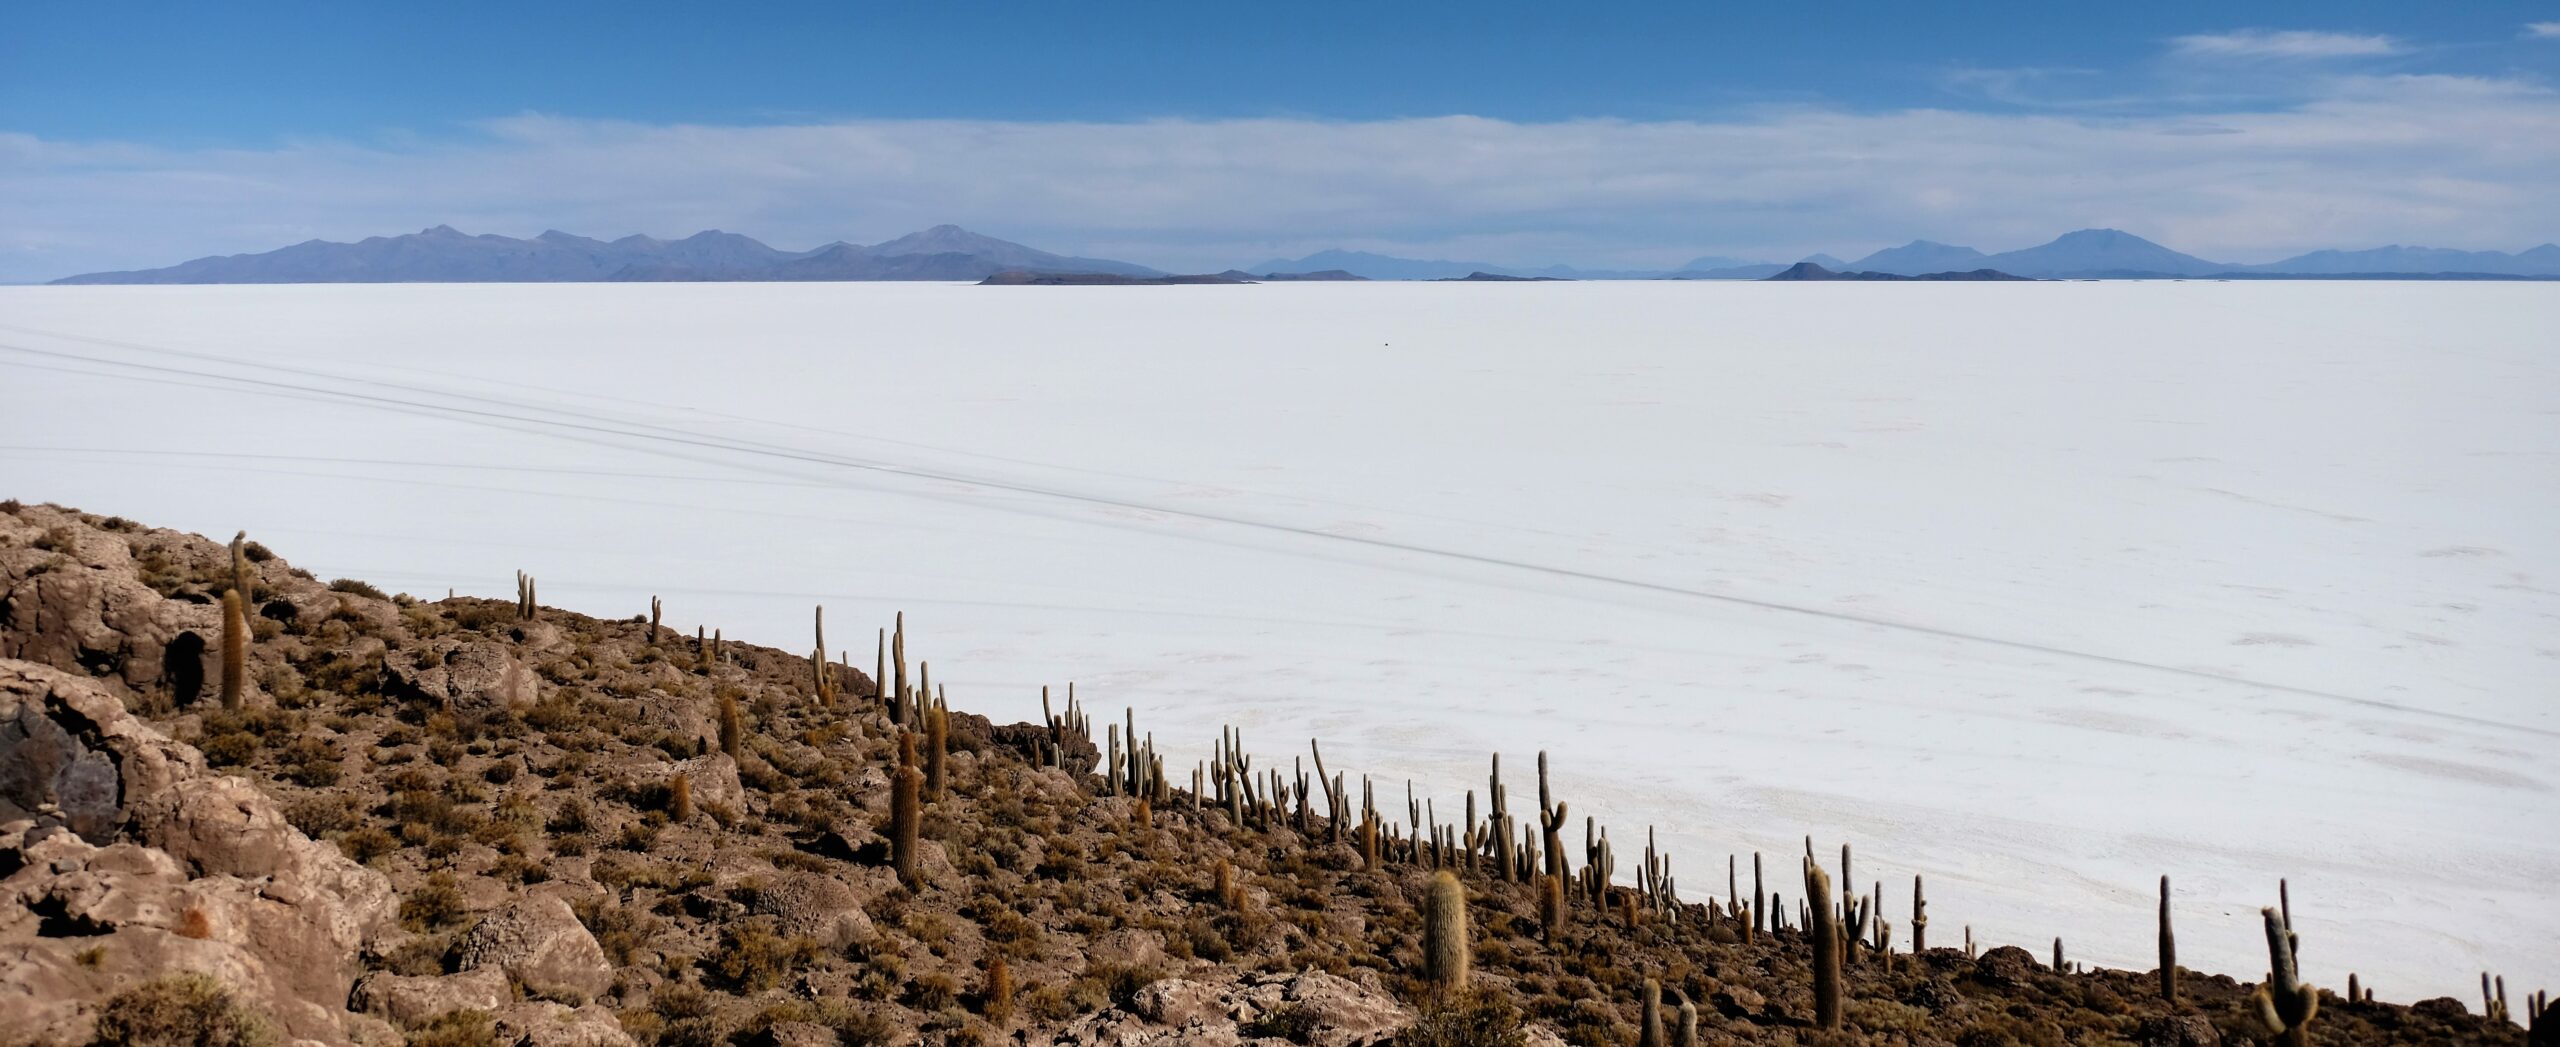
point(470, 821)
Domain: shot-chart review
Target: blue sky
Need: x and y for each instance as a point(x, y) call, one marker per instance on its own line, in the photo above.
point(1515, 133)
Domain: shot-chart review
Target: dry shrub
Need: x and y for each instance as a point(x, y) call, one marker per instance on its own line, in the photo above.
point(181, 1010)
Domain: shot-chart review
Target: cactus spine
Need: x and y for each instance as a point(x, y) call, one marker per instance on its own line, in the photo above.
point(1444, 934)
point(235, 648)
point(2168, 948)
point(2285, 1005)
point(1826, 947)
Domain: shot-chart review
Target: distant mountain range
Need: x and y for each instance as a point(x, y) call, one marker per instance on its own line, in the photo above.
point(2088, 253)
point(948, 252)
point(444, 255)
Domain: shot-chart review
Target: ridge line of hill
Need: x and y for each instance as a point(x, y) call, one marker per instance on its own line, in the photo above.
point(606, 832)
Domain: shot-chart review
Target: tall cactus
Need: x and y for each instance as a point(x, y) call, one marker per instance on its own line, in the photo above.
point(1825, 930)
point(656, 614)
point(2168, 949)
point(1759, 897)
point(235, 648)
point(1919, 918)
point(1551, 822)
point(906, 812)
point(1444, 934)
point(1649, 1034)
point(820, 678)
point(732, 730)
point(937, 734)
point(2285, 1005)
point(1688, 1034)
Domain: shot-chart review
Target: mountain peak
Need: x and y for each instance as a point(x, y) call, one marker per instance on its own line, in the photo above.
point(2099, 238)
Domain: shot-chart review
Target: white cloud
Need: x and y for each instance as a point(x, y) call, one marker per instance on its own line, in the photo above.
point(2444, 161)
point(2542, 30)
point(2290, 43)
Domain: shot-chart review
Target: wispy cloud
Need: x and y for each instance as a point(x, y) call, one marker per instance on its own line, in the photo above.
point(2542, 30)
point(2439, 160)
point(2282, 44)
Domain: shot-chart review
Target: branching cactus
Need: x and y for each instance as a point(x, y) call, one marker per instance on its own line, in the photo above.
point(1551, 822)
point(2285, 1005)
point(1444, 935)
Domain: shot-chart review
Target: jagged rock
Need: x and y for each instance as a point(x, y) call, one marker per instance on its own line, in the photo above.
point(821, 908)
point(545, 1024)
point(540, 942)
point(1735, 1001)
point(1346, 1012)
point(1128, 947)
point(207, 856)
point(475, 678)
point(2006, 966)
point(415, 1000)
point(1079, 756)
point(1175, 1001)
point(1219, 1006)
point(713, 778)
point(72, 597)
point(802, 1034)
point(2182, 1030)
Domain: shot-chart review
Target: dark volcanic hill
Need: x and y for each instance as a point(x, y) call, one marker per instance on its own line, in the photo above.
point(1810, 271)
point(444, 255)
point(1022, 279)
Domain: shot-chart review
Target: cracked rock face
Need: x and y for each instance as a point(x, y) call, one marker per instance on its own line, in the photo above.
point(129, 859)
point(539, 942)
